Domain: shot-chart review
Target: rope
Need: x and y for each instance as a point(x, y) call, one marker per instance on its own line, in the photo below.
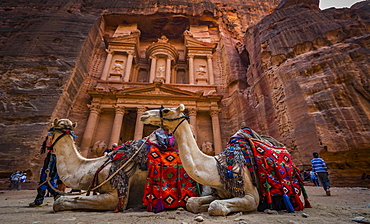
point(123, 166)
point(52, 187)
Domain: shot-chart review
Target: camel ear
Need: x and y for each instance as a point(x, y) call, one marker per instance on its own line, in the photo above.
point(55, 122)
point(181, 107)
point(74, 125)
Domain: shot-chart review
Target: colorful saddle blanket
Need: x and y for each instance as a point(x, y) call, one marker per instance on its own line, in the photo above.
point(168, 185)
point(272, 170)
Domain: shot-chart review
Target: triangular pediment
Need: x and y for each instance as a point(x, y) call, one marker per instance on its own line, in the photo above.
point(158, 90)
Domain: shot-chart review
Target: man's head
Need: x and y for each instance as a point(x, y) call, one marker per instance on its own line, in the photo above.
point(315, 155)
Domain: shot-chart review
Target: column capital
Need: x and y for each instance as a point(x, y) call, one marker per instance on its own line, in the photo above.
point(141, 109)
point(191, 55)
point(214, 112)
point(192, 111)
point(120, 109)
point(209, 56)
point(130, 52)
point(109, 51)
point(94, 108)
point(152, 57)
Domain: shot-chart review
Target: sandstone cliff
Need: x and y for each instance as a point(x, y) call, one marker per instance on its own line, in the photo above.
point(296, 73)
point(309, 81)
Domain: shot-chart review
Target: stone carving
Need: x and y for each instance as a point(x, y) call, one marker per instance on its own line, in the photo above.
point(163, 39)
point(207, 148)
point(98, 149)
point(118, 67)
point(201, 70)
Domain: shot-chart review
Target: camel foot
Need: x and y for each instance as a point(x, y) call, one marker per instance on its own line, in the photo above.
point(195, 205)
point(217, 208)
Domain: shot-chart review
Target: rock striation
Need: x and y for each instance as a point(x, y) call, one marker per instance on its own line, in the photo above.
point(286, 68)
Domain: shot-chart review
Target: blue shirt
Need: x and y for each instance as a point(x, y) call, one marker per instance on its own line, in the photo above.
point(318, 165)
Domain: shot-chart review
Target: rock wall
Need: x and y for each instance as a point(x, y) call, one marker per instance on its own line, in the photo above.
point(46, 68)
point(309, 80)
point(296, 73)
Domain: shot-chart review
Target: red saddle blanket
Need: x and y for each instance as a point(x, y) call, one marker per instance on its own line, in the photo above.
point(168, 185)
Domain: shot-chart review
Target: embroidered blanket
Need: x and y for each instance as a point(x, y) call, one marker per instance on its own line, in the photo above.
point(271, 167)
point(168, 184)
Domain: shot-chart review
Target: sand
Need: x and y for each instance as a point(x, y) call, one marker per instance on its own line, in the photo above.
point(344, 205)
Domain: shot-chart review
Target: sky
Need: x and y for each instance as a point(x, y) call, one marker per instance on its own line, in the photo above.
point(324, 4)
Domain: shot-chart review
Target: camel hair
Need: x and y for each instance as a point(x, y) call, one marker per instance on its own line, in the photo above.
point(201, 167)
point(77, 172)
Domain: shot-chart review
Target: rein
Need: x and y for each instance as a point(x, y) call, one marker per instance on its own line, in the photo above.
point(184, 117)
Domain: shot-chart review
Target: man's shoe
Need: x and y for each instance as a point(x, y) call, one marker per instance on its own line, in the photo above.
point(34, 205)
point(328, 193)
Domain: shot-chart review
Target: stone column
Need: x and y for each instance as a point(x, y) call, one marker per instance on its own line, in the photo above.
point(90, 128)
point(130, 56)
point(216, 130)
point(139, 127)
point(210, 70)
point(106, 68)
point(191, 68)
point(152, 69)
point(193, 120)
point(117, 125)
point(168, 71)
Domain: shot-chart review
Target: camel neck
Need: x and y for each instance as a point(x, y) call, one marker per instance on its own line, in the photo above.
point(200, 167)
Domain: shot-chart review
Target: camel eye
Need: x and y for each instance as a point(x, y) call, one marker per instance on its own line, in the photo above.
point(166, 110)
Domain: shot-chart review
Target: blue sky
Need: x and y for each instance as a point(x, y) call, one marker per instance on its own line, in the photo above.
point(324, 4)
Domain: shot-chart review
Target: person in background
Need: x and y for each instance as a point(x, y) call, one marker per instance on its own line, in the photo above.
point(14, 179)
point(22, 179)
point(50, 165)
point(314, 178)
point(319, 167)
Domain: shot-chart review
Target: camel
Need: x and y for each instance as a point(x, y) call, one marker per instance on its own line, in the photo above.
point(77, 172)
point(201, 167)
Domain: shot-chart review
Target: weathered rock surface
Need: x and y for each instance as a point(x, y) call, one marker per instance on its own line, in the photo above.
point(300, 74)
point(309, 80)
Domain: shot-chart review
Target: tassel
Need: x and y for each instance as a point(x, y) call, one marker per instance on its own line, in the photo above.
point(298, 203)
point(229, 172)
point(288, 204)
point(160, 204)
point(305, 196)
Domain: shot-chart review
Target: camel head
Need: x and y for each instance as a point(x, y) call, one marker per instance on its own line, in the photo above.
point(63, 124)
point(169, 117)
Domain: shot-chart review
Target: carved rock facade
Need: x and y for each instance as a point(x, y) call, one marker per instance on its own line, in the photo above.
point(296, 73)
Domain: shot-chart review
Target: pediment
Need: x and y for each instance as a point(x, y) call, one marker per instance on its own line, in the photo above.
point(159, 90)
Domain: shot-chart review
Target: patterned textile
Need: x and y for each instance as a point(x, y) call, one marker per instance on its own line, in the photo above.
point(167, 181)
point(271, 167)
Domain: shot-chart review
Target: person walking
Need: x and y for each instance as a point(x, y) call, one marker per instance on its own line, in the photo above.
point(319, 167)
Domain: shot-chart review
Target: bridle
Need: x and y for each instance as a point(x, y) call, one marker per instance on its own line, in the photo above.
point(65, 131)
point(183, 117)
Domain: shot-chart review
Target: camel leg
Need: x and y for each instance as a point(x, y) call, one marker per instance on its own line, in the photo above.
point(199, 204)
point(106, 201)
point(224, 207)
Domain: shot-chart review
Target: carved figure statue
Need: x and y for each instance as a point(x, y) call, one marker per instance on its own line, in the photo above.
point(98, 149)
point(208, 149)
point(160, 72)
point(202, 168)
point(118, 67)
point(77, 172)
point(201, 70)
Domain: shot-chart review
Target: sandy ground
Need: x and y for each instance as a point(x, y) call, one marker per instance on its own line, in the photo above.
point(344, 205)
